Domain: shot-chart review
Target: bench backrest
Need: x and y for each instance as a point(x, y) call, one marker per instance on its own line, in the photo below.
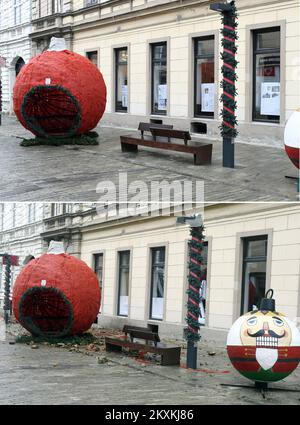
point(171, 134)
point(145, 126)
point(141, 332)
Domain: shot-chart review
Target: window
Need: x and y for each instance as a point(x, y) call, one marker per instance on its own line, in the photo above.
point(17, 12)
point(123, 282)
point(254, 272)
point(98, 268)
point(204, 77)
point(13, 215)
point(157, 283)
point(93, 57)
point(1, 217)
point(266, 75)
point(31, 213)
point(90, 2)
point(121, 61)
point(159, 89)
point(60, 208)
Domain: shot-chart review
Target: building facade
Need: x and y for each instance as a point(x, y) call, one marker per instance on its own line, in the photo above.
point(160, 60)
point(142, 265)
point(27, 228)
point(15, 44)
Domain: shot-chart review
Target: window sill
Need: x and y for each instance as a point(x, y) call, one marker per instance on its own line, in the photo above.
point(269, 124)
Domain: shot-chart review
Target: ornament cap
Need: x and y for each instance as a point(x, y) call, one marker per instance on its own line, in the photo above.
point(268, 303)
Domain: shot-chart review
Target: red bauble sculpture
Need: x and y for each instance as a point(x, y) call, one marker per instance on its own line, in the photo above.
point(59, 94)
point(56, 295)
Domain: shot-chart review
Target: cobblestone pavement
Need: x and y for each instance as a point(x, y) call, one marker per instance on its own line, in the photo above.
point(71, 173)
point(55, 375)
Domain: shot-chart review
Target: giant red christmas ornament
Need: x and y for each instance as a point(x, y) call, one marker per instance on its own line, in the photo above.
point(56, 295)
point(264, 345)
point(59, 93)
point(292, 138)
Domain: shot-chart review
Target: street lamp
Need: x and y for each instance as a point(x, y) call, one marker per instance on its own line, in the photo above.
point(8, 261)
point(229, 122)
point(194, 282)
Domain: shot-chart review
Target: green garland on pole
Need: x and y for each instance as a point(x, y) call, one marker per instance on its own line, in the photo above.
point(229, 33)
point(194, 283)
point(6, 306)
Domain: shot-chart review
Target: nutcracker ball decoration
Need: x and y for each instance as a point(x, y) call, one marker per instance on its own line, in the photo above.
point(59, 93)
point(264, 345)
point(292, 138)
point(56, 295)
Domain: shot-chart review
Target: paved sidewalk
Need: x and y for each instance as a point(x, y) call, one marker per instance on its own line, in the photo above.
point(52, 375)
point(71, 173)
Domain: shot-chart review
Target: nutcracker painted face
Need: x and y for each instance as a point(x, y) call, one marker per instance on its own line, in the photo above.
point(265, 329)
point(264, 346)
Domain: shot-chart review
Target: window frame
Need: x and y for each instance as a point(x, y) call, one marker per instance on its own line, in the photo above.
point(89, 52)
point(152, 249)
point(208, 115)
point(152, 66)
point(255, 52)
point(119, 270)
point(246, 260)
point(117, 63)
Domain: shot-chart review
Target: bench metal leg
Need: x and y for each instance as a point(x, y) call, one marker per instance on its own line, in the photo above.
point(128, 147)
point(111, 347)
point(171, 357)
point(204, 157)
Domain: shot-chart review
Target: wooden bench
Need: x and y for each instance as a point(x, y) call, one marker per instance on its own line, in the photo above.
point(202, 151)
point(145, 126)
point(170, 354)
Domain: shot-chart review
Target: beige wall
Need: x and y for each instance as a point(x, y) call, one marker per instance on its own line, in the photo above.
point(225, 226)
point(179, 25)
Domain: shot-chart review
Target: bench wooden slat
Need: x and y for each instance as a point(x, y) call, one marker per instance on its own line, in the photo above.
point(170, 134)
point(145, 126)
point(202, 151)
point(170, 355)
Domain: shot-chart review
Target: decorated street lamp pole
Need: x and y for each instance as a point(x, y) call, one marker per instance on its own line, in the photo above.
point(8, 261)
point(6, 305)
point(194, 283)
point(229, 121)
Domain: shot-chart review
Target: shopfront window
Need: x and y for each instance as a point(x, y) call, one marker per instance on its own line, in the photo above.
point(121, 60)
point(266, 84)
point(159, 91)
point(254, 272)
point(204, 77)
point(157, 283)
point(123, 284)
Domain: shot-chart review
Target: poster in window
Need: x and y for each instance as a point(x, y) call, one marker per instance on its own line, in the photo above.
point(162, 97)
point(124, 96)
point(270, 99)
point(208, 97)
point(157, 308)
point(123, 306)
